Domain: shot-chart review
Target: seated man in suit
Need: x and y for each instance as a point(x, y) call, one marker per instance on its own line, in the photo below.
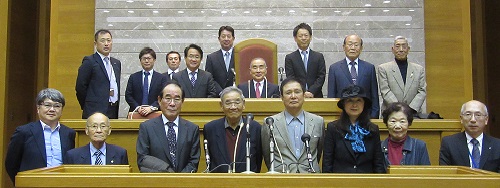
point(289, 126)
point(173, 63)
point(227, 136)
point(472, 148)
point(221, 62)
point(143, 86)
point(402, 81)
point(42, 143)
point(354, 71)
point(305, 64)
point(259, 87)
point(168, 143)
point(97, 152)
point(196, 83)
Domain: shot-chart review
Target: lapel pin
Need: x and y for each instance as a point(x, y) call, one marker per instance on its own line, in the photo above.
point(112, 161)
point(489, 148)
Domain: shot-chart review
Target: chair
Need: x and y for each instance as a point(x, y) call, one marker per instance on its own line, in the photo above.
point(252, 48)
point(135, 115)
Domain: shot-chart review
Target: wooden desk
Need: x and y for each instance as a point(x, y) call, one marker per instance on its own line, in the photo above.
point(201, 111)
point(406, 176)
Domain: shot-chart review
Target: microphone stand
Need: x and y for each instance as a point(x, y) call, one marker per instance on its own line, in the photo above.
point(249, 119)
point(234, 77)
point(271, 149)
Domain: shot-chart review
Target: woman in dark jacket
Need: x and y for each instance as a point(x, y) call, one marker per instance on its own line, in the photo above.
point(399, 148)
point(352, 143)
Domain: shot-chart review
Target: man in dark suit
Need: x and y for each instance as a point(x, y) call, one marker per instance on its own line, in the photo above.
point(305, 64)
point(196, 83)
point(144, 86)
point(221, 63)
point(42, 143)
point(472, 148)
point(97, 152)
point(289, 127)
point(173, 63)
point(98, 81)
point(258, 70)
point(354, 71)
point(227, 136)
point(168, 143)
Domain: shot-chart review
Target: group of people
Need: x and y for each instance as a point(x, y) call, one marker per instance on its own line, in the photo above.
point(169, 143)
point(398, 80)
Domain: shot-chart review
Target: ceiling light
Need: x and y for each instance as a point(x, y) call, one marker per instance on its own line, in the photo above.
point(130, 11)
point(362, 11)
point(387, 2)
point(368, 5)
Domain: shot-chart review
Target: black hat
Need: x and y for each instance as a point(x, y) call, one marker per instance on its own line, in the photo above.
point(351, 92)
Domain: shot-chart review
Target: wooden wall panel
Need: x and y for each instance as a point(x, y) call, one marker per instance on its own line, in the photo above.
point(448, 56)
point(71, 38)
point(4, 19)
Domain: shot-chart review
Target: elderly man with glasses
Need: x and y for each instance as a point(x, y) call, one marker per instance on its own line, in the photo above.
point(42, 143)
point(472, 147)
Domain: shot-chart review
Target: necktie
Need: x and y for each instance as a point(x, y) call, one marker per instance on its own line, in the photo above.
point(112, 81)
point(476, 156)
point(97, 155)
point(193, 78)
point(145, 88)
point(227, 60)
point(354, 75)
point(172, 142)
point(257, 90)
point(304, 53)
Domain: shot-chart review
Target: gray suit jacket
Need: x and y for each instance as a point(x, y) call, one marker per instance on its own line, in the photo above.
point(314, 126)
point(152, 144)
point(204, 87)
point(393, 89)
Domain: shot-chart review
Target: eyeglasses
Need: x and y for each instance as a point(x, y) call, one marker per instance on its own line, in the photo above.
point(169, 99)
point(228, 104)
point(95, 127)
point(56, 106)
point(394, 122)
point(469, 115)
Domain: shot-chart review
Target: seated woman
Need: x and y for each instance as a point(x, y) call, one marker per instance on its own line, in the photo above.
point(352, 143)
point(399, 148)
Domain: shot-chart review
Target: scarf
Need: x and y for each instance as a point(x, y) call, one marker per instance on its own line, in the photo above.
point(356, 136)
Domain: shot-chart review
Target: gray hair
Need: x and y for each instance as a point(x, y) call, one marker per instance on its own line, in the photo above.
point(258, 58)
point(52, 94)
point(399, 38)
point(482, 104)
point(231, 89)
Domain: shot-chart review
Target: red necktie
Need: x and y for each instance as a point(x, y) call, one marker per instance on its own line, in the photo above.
point(257, 90)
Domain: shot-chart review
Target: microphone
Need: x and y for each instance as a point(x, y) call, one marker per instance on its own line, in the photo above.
point(306, 138)
point(234, 78)
point(249, 120)
point(280, 72)
point(207, 156)
point(270, 121)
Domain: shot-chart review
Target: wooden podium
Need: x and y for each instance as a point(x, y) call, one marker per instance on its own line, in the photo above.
point(120, 176)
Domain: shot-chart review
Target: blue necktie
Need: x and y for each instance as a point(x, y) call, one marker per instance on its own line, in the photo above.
point(145, 88)
point(354, 75)
point(172, 142)
point(227, 60)
point(476, 156)
point(97, 155)
point(193, 78)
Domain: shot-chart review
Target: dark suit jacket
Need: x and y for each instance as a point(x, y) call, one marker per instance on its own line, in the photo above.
point(92, 84)
point(316, 71)
point(133, 93)
point(339, 77)
point(152, 142)
point(339, 157)
point(215, 133)
point(205, 86)
point(216, 66)
point(454, 151)
point(273, 91)
point(26, 149)
point(115, 155)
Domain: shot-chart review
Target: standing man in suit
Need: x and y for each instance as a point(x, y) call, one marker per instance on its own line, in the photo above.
point(472, 148)
point(227, 136)
point(144, 86)
point(173, 63)
point(259, 87)
point(305, 64)
point(97, 152)
point(98, 81)
point(42, 143)
point(402, 81)
point(168, 143)
point(221, 63)
point(289, 126)
point(196, 83)
point(354, 71)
